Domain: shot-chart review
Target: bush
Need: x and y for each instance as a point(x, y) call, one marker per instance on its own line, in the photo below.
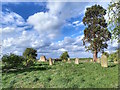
point(12, 60)
point(64, 56)
point(113, 56)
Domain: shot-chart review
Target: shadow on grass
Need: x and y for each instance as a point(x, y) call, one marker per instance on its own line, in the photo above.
point(112, 65)
point(36, 67)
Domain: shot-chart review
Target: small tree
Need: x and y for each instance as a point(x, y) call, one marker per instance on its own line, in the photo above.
point(30, 55)
point(96, 32)
point(64, 56)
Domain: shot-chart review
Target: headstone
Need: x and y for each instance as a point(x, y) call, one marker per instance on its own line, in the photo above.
point(42, 58)
point(69, 61)
point(64, 60)
point(50, 61)
point(104, 61)
point(98, 60)
point(76, 61)
point(53, 61)
point(91, 60)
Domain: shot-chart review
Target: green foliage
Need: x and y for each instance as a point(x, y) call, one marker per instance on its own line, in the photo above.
point(64, 56)
point(105, 53)
point(96, 32)
point(30, 53)
point(12, 60)
point(114, 18)
point(113, 56)
point(30, 62)
point(63, 75)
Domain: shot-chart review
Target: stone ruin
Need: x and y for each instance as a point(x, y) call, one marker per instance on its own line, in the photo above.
point(76, 61)
point(104, 61)
point(43, 59)
point(50, 61)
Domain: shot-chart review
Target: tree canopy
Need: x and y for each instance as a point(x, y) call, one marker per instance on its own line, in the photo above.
point(114, 18)
point(30, 53)
point(64, 55)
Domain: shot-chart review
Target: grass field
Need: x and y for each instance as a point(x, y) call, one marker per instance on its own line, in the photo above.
point(63, 75)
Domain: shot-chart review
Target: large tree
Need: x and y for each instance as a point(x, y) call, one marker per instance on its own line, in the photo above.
point(114, 18)
point(96, 32)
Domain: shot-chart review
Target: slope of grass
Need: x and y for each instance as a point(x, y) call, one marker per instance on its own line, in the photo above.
point(63, 75)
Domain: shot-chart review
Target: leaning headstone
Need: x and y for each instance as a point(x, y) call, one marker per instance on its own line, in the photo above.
point(104, 61)
point(69, 61)
point(42, 58)
point(76, 61)
point(98, 60)
point(50, 61)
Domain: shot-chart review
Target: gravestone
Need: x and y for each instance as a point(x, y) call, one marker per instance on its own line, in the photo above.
point(53, 61)
point(50, 61)
point(91, 60)
point(76, 61)
point(104, 61)
point(98, 60)
point(69, 61)
point(42, 58)
point(64, 60)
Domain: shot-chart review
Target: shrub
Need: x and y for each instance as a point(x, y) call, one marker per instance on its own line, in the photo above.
point(113, 56)
point(12, 60)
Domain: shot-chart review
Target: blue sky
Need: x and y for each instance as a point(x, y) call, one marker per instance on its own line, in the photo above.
point(49, 27)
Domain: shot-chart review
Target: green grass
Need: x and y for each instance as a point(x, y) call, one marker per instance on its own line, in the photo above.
point(63, 75)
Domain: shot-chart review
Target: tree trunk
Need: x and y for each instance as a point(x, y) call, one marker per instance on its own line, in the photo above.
point(95, 56)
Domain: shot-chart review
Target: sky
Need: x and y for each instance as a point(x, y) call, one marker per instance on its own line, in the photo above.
point(49, 27)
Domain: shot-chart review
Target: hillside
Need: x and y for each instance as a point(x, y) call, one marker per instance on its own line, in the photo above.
point(63, 75)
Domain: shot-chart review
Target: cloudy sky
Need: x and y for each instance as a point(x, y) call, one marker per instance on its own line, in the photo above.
point(49, 27)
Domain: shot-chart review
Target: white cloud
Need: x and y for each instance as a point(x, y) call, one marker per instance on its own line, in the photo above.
point(46, 24)
point(11, 19)
point(50, 23)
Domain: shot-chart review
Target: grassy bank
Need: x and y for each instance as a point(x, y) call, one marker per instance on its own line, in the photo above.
point(63, 75)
